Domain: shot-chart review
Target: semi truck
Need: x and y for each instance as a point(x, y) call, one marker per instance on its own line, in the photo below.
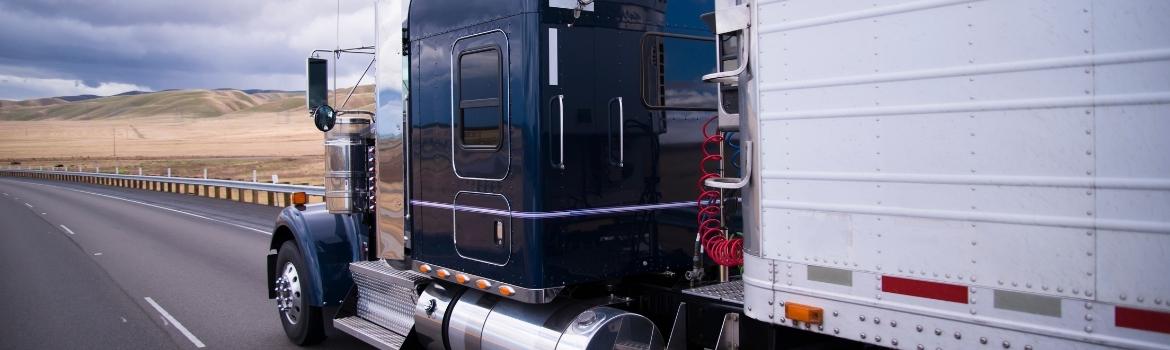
point(742, 174)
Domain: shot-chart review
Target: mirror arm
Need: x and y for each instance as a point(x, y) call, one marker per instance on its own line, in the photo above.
point(359, 83)
point(354, 111)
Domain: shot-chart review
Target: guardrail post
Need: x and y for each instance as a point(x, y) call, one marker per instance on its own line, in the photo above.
point(139, 171)
point(168, 172)
point(287, 199)
point(205, 173)
point(272, 197)
point(254, 175)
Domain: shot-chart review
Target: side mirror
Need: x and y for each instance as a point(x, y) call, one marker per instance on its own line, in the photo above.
point(324, 117)
point(317, 93)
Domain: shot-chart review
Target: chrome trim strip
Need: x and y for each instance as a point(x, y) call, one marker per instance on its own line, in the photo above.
point(527, 295)
point(556, 214)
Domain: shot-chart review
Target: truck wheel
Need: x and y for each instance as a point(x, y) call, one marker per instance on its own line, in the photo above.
point(302, 322)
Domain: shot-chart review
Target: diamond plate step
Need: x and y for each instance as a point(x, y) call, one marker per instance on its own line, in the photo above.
point(386, 299)
point(370, 333)
point(730, 291)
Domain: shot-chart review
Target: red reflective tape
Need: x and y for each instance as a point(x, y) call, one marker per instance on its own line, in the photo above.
point(1142, 319)
point(925, 289)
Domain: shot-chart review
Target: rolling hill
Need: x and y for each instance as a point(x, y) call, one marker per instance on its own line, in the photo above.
point(184, 103)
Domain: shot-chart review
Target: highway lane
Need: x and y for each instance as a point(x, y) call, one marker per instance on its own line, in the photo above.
point(77, 259)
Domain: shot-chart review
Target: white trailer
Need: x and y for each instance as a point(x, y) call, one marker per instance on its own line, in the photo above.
point(959, 174)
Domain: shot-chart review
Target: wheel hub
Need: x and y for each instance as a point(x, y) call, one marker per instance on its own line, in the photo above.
point(288, 293)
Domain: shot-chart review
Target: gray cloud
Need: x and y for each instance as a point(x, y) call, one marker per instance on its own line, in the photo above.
point(173, 44)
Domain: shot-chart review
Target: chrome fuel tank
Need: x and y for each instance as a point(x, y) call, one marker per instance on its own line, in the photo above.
point(479, 321)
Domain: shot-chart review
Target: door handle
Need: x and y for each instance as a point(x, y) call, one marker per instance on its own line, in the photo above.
point(621, 130)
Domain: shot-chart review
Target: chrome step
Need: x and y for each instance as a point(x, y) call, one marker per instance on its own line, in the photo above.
point(386, 297)
point(370, 333)
point(729, 291)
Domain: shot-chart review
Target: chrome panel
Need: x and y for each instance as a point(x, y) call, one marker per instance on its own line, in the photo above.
point(749, 129)
point(391, 143)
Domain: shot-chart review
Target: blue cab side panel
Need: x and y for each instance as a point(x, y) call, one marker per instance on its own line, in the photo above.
point(328, 242)
point(560, 226)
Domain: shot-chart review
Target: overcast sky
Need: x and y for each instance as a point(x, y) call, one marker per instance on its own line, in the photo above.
point(105, 47)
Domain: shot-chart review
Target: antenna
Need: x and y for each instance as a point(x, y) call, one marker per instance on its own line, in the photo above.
point(336, 51)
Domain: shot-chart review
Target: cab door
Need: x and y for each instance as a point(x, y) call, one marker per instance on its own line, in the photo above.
point(481, 147)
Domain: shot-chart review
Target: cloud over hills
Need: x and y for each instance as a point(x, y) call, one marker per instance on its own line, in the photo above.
point(104, 47)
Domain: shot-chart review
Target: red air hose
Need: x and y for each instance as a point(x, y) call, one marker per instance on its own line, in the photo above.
point(724, 251)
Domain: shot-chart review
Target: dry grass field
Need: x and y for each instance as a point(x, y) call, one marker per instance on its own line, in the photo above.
point(229, 133)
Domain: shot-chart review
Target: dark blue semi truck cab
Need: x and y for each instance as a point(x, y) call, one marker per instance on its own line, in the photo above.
point(528, 180)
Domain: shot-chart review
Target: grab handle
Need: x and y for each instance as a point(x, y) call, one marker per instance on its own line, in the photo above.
point(561, 105)
point(732, 76)
point(621, 131)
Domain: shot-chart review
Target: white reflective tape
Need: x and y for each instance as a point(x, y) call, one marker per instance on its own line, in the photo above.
point(553, 60)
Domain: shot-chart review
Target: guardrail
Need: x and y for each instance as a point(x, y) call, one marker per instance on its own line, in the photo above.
point(273, 194)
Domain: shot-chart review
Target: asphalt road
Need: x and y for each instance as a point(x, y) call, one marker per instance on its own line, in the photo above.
point(96, 267)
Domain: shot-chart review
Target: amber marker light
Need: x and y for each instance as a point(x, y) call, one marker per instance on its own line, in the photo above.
point(483, 284)
point(507, 291)
point(461, 278)
point(803, 313)
point(300, 198)
point(443, 274)
point(424, 268)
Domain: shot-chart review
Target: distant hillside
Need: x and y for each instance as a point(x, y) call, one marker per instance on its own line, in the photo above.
point(40, 102)
point(187, 103)
point(78, 97)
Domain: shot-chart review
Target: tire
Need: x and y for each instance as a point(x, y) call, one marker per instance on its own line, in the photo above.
point(302, 322)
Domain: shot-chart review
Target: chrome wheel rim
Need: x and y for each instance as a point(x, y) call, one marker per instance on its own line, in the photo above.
point(288, 293)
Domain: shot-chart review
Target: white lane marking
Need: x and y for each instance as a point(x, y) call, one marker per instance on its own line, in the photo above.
point(67, 229)
point(28, 205)
point(167, 316)
point(97, 254)
point(44, 213)
point(159, 207)
point(6, 194)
